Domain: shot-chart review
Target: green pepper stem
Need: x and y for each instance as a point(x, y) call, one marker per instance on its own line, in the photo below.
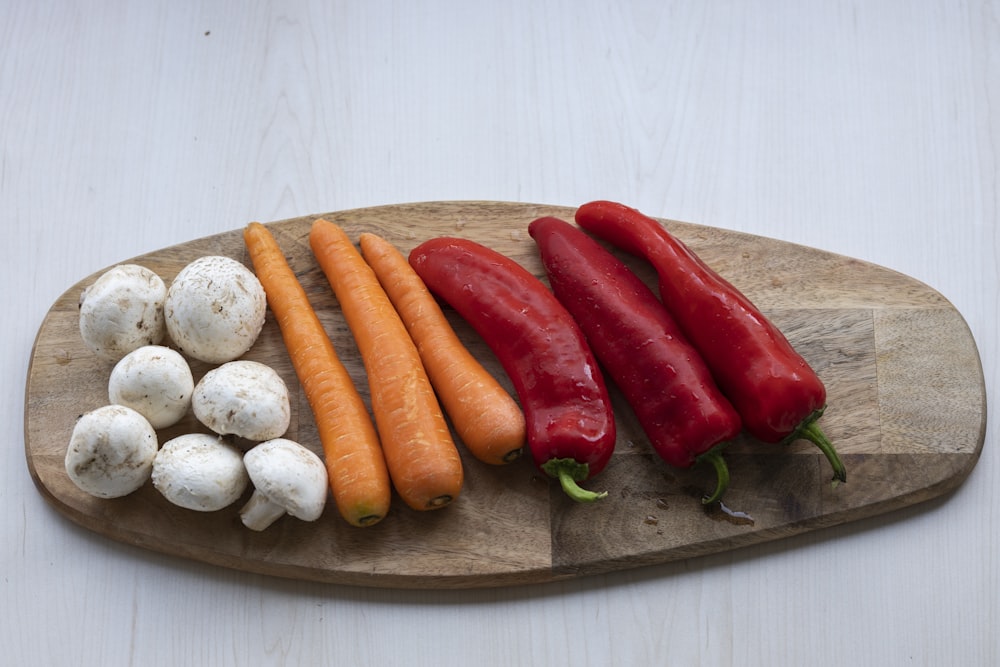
point(714, 456)
point(811, 431)
point(569, 472)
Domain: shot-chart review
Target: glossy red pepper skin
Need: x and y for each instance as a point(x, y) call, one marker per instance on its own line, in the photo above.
point(663, 378)
point(777, 394)
point(567, 409)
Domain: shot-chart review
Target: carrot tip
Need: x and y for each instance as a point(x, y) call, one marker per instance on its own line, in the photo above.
point(440, 501)
point(512, 455)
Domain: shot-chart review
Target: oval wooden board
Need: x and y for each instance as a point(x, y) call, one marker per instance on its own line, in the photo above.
point(907, 411)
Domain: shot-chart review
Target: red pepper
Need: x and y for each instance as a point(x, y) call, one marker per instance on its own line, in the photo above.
point(777, 394)
point(662, 377)
point(570, 424)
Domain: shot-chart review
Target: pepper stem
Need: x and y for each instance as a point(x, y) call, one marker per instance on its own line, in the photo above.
point(569, 472)
point(714, 456)
point(811, 431)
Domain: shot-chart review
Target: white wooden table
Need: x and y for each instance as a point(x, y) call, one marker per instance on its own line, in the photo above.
point(866, 129)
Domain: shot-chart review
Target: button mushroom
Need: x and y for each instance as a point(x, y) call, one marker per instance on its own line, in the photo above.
point(198, 471)
point(111, 451)
point(122, 310)
point(287, 478)
point(243, 398)
point(155, 381)
point(215, 309)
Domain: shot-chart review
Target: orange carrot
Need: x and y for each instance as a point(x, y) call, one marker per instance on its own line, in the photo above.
point(423, 462)
point(485, 416)
point(358, 474)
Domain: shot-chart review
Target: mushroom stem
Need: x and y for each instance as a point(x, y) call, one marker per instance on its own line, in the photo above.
point(260, 512)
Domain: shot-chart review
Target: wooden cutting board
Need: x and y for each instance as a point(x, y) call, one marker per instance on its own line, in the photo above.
point(907, 412)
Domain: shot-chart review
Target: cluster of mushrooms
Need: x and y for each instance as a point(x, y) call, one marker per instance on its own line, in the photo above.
point(213, 311)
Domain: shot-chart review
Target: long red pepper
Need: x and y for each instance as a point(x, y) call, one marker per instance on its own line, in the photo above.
point(663, 379)
point(570, 424)
point(778, 395)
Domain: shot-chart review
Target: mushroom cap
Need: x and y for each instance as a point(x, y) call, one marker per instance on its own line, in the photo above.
point(215, 309)
point(289, 475)
point(111, 451)
point(122, 310)
point(200, 472)
point(243, 398)
point(155, 381)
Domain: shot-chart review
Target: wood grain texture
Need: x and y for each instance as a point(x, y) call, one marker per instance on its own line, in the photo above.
point(907, 412)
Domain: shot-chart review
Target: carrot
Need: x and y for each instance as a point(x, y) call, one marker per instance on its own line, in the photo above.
point(359, 478)
point(487, 419)
point(423, 462)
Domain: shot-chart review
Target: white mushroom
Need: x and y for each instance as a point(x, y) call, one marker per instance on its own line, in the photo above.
point(122, 310)
point(215, 309)
point(111, 451)
point(243, 398)
point(287, 478)
point(198, 471)
point(155, 381)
